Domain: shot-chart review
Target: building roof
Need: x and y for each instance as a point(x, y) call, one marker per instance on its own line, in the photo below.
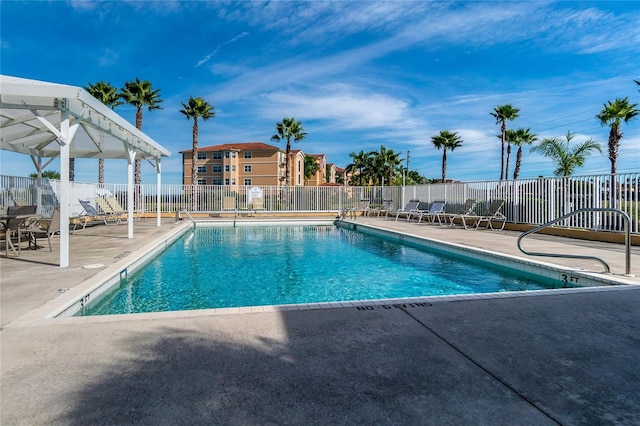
point(316, 155)
point(238, 146)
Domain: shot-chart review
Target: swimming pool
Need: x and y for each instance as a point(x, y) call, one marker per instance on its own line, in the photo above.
point(215, 267)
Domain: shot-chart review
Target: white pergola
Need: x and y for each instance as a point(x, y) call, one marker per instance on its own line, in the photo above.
point(48, 120)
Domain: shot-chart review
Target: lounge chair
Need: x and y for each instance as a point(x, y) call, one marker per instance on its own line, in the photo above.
point(109, 213)
point(363, 207)
point(492, 214)
point(257, 203)
point(436, 209)
point(385, 207)
point(117, 207)
point(47, 228)
point(411, 206)
point(88, 214)
point(466, 210)
point(229, 203)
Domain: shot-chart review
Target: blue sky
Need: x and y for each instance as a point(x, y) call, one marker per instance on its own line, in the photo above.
point(356, 74)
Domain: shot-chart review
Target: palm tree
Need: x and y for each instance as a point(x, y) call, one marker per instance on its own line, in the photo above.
point(566, 160)
point(361, 161)
point(446, 140)
point(614, 114)
point(288, 129)
point(196, 108)
point(311, 167)
point(520, 138)
point(502, 114)
point(387, 161)
point(108, 95)
point(140, 94)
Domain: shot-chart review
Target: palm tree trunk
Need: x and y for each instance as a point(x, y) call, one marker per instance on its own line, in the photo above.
point(506, 168)
point(287, 179)
point(503, 129)
point(137, 176)
point(516, 170)
point(614, 142)
point(444, 166)
point(194, 163)
point(101, 170)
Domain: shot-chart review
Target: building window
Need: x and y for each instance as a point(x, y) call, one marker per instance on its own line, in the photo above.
point(202, 169)
point(216, 182)
point(233, 154)
point(233, 181)
point(226, 154)
point(202, 156)
point(216, 169)
point(247, 169)
point(202, 181)
point(227, 167)
point(216, 155)
point(226, 181)
point(248, 154)
point(247, 182)
point(233, 168)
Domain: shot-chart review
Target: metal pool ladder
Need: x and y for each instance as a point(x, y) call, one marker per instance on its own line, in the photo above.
point(627, 237)
point(193, 221)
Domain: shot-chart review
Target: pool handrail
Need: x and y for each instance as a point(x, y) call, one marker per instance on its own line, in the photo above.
point(627, 237)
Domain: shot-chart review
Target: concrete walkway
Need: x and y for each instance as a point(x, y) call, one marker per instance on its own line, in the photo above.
point(566, 358)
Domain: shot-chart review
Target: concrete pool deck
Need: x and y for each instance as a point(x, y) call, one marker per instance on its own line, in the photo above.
point(565, 358)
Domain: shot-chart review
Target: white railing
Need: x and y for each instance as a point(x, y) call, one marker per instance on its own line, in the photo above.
point(527, 201)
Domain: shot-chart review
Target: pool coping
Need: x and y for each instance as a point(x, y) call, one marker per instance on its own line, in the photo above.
point(50, 312)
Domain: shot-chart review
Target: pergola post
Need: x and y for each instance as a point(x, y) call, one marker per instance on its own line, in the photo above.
point(65, 192)
point(130, 204)
point(158, 187)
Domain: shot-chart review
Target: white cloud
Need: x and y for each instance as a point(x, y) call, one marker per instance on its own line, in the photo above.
point(108, 57)
point(220, 46)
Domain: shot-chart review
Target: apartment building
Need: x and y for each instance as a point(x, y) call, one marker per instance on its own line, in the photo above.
point(247, 163)
point(321, 175)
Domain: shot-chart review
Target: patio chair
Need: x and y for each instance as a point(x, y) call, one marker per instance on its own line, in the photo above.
point(5, 237)
point(436, 209)
point(363, 206)
point(21, 210)
point(411, 206)
point(492, 214)
point(18, 218)
point(44, 227)
point(108, 212)
point(8, 232)
point(466, 210)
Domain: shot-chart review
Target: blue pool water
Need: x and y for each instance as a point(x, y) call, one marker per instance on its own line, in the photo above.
point(252, 266)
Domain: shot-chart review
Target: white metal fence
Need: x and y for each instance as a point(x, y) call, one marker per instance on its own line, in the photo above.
point(527, 201)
